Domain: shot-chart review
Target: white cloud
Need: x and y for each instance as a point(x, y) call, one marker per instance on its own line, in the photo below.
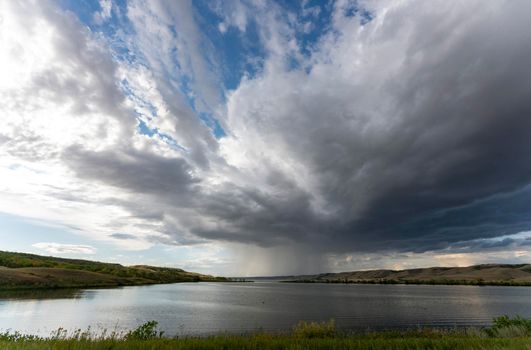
point(234, 13)
point(59, 248)
point(105, 13)
point(222, 27)
point(58, 90)
point(175, 49)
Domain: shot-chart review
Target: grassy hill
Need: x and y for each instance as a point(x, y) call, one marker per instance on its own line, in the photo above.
point(489, 274)
point(21, 270)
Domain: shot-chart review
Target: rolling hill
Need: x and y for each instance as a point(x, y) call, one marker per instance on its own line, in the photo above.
point(488, 274)
point(30, 271)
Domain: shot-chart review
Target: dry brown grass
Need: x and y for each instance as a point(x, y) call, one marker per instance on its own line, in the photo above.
point(481, 274)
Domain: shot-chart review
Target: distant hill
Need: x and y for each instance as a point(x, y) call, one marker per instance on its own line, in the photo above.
point(25, 271)
point(488, 274)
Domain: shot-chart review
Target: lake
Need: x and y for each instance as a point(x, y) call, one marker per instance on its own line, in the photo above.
point(206, 308)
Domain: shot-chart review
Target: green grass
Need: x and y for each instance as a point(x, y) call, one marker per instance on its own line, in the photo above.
point(30, 271)
point(264, 342)
point(505, 333)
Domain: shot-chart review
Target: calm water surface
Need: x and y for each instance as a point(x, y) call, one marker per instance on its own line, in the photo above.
point(206, 308)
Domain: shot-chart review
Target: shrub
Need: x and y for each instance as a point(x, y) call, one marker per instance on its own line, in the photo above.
point(305, 329)
point(504, 326)
point(146, 331)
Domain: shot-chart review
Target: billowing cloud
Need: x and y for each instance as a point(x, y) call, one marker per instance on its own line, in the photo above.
point(400, 140)
point(400, 129)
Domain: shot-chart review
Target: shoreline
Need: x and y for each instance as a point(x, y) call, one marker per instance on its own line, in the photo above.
point(44, 287)
point(420, 282)
point(28, 288)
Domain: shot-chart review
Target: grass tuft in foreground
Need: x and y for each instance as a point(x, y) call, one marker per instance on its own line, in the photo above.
point(315, 329)
point(506, 333)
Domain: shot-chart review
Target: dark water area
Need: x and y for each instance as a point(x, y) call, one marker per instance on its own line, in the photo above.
point(207, 308)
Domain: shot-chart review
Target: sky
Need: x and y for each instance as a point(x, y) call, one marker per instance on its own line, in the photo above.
point(256, 137)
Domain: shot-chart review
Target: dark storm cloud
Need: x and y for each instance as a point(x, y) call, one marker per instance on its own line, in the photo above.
point(412, 134)
point(426, 145)
point(498, 244)
point(481, 245)
point(249, 215)
point(133, 171)
point(460, 147)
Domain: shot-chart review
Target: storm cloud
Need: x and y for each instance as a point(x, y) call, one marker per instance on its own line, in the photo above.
point(404, 128)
